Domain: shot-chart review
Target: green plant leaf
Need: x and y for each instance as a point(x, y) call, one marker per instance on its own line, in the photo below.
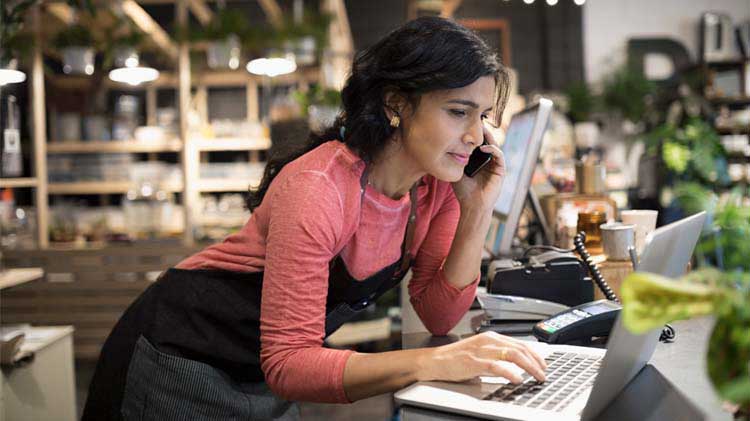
point(651, 300)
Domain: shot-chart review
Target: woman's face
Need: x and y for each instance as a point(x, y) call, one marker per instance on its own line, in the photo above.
point(446, 126)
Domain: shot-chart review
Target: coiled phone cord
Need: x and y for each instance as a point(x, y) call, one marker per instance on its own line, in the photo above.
point(668, 333)
point(579, 243)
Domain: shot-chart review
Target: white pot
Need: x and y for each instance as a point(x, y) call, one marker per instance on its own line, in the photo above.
point(304, 50)
point(78, 60)
point(586, 134)
point(225, 53)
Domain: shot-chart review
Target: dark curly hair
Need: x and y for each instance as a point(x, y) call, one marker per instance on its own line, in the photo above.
point(423, 55)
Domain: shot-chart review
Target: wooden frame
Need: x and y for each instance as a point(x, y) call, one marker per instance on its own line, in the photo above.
point(492, 25)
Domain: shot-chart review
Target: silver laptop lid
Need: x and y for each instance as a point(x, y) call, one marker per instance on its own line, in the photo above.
point(667, 252)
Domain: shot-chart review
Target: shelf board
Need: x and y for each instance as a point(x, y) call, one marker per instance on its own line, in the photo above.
point(733, 130)
point(100, 187)
point(212, 78)
point(13, 277)
point(216, 185)
point(739, 100)
point(19, 182)
point(232, 144)
point(114, 146)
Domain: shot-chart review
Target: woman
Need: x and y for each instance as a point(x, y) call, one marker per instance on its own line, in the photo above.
point(236, 331)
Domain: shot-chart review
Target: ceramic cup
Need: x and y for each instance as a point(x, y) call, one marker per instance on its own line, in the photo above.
point(645, 223)
point(617, 239)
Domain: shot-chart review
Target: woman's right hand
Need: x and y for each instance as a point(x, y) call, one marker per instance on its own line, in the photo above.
point(479, 356)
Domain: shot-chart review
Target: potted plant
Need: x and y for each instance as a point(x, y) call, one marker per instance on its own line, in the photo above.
point(76, 44)
point(224, 35)
point(581, 105)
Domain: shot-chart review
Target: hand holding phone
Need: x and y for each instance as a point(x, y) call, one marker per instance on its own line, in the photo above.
point(477, 161)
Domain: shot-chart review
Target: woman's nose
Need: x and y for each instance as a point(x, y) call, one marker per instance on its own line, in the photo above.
point(474, 135)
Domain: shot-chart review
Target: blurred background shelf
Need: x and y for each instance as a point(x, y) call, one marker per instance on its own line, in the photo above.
point(226, 184)
point(233, 144)
point(101, 187)
point(132, 146)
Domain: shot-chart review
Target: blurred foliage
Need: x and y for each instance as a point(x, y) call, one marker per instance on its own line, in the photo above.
point(650, 301)
point(626, 91)
point(581, 102)
point(691, 153)
point(317, 96)
point(75, 36)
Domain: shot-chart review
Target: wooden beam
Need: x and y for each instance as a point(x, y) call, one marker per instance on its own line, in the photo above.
point(189, 154)
point(342, 44)
point(61, 11)
point(449, 8)
point(273, 12)
point(201, 11)
point(147, 25)
point(39, 132)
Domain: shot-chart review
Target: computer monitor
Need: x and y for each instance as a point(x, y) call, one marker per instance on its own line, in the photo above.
point(521, 149)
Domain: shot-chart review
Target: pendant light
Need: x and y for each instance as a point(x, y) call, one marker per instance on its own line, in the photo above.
point(130, 70)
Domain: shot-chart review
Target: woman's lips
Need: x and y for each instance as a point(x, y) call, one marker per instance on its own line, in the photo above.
point(462, 159)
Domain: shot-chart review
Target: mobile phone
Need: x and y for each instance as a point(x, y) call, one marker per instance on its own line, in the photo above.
point(477, 161)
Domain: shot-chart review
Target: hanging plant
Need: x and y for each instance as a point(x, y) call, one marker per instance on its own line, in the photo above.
point(224, 23)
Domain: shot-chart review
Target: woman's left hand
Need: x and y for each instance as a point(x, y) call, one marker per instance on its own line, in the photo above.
point(482, 190)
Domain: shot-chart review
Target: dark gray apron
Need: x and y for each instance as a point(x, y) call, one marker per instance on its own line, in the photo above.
point(189, 346)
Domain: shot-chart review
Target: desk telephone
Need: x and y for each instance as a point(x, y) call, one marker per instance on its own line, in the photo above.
point(526, 289)
point(551, 295)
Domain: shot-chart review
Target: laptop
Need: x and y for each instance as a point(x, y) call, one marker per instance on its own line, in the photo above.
point(581, 381)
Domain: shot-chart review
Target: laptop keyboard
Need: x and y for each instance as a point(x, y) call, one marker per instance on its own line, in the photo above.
point(568, 375)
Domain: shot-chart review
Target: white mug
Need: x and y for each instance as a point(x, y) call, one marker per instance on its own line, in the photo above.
point(617, 239)
point(644, 221)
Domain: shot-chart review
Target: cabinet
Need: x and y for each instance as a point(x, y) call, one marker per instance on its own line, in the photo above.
point(44, 389)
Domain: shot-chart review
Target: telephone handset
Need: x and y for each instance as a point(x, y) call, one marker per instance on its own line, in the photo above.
point(588, 320)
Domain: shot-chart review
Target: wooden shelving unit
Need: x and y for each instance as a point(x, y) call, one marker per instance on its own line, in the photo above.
point(191, 89)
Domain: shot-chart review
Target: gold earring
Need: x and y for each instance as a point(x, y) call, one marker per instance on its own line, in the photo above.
point(395, 121)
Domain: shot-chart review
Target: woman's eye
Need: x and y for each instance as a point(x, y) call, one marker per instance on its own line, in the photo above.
point(485, 116)
point(458, 113)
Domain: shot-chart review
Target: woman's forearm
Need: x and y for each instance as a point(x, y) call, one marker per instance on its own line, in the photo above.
point(368, 375)
point(465, 257)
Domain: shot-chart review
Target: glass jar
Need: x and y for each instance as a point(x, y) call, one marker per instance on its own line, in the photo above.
point(589, 222)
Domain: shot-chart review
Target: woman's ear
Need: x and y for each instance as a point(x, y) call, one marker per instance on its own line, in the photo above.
point(395, 104)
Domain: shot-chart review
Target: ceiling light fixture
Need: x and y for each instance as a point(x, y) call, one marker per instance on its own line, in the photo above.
point(274, 64)
point(130, 71)
point(8, 76)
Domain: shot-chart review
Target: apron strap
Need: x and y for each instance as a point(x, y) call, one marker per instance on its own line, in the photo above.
point(406, 256)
